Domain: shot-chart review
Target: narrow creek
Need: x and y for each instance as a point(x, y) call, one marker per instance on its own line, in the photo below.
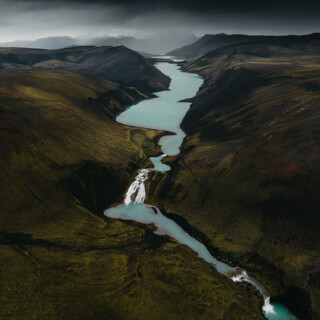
point(166, 112)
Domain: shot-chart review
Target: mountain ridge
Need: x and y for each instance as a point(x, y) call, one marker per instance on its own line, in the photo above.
point(156, 44)
point(210, 42)
point(112, 63)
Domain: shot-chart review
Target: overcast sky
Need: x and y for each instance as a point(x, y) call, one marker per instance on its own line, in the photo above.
point(31, 19)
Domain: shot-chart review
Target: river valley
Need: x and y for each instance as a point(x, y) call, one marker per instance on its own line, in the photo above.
point(165, 112)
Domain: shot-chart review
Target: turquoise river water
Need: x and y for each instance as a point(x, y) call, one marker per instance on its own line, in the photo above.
point(165, 112)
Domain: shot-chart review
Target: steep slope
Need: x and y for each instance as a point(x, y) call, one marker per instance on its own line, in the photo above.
point(49, 120)
point(111, 63)
point(248, 177)
point(122, 65)
point(211, 42)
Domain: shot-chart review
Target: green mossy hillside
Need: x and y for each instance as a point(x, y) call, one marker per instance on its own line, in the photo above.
point(248, 175)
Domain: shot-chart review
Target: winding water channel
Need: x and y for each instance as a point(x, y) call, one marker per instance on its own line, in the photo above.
point(165, 112)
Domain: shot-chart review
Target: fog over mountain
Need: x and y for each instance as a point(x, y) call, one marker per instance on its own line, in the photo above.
point(156, 44)
point(34, 19)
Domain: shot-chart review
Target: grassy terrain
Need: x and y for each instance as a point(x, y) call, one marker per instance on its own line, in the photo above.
point(248, 177)
point(63, 161)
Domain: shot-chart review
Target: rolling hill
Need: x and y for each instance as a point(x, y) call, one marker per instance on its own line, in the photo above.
point(211, 42)
point(112, 63)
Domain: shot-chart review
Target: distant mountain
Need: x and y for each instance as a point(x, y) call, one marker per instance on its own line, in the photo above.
point(42, 43)
point(155, 44)
point(112, 63)
point(211, 42)
point(111, 41)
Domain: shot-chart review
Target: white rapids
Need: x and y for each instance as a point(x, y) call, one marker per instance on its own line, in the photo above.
point(243, 277)
point(268, 308)
point(137, 188)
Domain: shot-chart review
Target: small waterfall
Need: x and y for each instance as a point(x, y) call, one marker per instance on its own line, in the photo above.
point(137, 187)
point(267, 307)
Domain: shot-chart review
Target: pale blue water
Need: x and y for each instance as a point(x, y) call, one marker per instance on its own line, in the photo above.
point(165, 112)
point(281, 313)
point(170, 57)
point(148, 214)
point(158, 165)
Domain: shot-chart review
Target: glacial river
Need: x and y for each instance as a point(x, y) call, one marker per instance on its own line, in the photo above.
point(165, 112)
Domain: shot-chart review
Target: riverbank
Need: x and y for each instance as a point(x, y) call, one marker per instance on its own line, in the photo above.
point(247, 175)
point(63, 160)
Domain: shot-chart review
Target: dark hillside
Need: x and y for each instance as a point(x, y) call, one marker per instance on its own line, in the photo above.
point(211, 42)
point(112, 63)
point(249, 175)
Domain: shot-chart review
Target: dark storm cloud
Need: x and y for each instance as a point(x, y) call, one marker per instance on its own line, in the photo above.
point(30, 19)
point(199, 6)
